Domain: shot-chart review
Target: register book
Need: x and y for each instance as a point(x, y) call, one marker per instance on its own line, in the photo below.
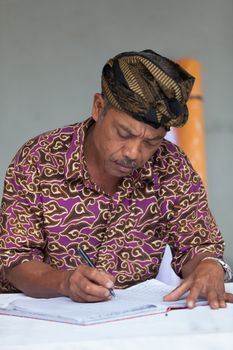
point(140, 300)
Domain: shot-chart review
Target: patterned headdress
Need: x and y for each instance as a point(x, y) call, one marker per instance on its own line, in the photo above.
point(149, 87)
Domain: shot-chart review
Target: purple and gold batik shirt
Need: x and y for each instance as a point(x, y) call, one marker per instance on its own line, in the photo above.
point(50, 206)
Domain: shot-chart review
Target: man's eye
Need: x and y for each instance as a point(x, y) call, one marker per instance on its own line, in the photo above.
point(123, 135)
point(152, 143)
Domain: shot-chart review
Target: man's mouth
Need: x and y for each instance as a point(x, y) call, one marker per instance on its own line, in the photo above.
point(124, 168)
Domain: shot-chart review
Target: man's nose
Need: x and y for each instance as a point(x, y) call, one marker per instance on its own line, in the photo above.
point(132, 150)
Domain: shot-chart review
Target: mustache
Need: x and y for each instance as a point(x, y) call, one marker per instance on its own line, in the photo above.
point(128, 163)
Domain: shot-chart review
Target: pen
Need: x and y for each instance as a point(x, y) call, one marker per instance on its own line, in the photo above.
point(90, 263)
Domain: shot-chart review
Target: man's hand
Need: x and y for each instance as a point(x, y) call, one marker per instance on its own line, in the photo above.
point(87, 284)
point(207, 280)
point(40, 280)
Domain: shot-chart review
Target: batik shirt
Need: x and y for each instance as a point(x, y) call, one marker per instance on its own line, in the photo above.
point(50, 206)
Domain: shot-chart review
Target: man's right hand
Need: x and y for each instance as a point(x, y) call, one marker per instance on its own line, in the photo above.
point(39, 280)
point(87, 284)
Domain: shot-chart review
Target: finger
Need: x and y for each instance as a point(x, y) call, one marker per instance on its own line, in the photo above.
point(178, 291)
point(93, 289)
point(108, 275)
point(213, 299)
point(98, 277)
point(228, 297)
point(82, 297)
point(82, 287)
point(222, 303)
point(194, 293)
point(85, 287)
point(221, 298)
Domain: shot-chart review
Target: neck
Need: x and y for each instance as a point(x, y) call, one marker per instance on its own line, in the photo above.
point(95, 167)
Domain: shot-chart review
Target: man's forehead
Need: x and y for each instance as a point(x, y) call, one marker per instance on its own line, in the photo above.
point(124, 121)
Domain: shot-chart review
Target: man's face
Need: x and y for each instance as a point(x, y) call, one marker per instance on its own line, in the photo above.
point(122, 142)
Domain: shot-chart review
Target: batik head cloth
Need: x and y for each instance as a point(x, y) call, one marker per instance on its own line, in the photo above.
point(149, 87)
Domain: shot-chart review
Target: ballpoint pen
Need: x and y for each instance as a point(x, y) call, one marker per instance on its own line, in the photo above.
point(90, 263)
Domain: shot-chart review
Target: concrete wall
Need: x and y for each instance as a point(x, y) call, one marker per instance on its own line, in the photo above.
point(52, 52)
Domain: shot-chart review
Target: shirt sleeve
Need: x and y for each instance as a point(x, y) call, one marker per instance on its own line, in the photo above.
point(192, 228)
point(21, 236)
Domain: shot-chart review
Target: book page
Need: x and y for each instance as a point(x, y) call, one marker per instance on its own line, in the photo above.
point(7, 298)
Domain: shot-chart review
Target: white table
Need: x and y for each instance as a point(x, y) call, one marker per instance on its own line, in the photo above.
point(200, 328)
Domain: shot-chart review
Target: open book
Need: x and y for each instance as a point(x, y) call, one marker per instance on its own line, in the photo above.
point(143, 299)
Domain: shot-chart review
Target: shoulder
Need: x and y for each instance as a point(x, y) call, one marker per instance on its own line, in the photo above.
point(169, 161)
point(56, 141)
point(169, 150)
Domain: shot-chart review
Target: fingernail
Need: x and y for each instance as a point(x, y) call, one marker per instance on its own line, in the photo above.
point(190, 304)
point(107, 294)
point(109, 284)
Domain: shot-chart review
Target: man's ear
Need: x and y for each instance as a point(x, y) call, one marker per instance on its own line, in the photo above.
point(97, 106)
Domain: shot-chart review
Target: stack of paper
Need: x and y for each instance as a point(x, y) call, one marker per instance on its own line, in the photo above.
point(142, 299)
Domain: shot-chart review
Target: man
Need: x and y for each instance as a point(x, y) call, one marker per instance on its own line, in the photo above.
point(114, 186)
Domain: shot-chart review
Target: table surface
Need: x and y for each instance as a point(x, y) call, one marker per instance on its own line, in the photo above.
point(200, 328)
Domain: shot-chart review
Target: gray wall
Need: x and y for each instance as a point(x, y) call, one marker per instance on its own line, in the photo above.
point(52, 51)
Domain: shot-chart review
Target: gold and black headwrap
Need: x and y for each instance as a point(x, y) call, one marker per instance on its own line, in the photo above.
point(149, 87)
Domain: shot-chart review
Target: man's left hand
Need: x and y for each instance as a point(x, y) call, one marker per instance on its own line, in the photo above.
point(207, 280)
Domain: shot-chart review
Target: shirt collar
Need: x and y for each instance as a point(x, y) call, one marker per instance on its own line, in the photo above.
point(75, 167)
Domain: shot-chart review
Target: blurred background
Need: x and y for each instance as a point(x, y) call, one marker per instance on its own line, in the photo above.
point(52, 53)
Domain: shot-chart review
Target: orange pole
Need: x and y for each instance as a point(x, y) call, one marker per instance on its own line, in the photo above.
point(191, 137)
